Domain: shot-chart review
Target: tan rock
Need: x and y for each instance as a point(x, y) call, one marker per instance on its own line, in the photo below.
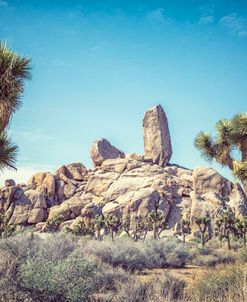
point(69, 190)
point(111, 208)
point(208, 180)
point(76, 171)
point(72, 205)
point(102, 150)
point(45, 180)
point(100, 181)
point(157, 141)
point(37, 215)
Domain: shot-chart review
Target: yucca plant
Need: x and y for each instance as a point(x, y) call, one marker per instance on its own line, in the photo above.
point(230, 135)
point(14, 70)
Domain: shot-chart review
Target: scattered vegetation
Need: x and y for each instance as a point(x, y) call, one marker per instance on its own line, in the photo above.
point(54, 267)
point(223, 283)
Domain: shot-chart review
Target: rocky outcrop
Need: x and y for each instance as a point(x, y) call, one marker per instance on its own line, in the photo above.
point(157, 141)
point(120, 185)
point(102, 150)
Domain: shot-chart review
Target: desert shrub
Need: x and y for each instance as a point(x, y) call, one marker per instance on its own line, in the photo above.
point(132, 291)
point(138, 255)
point(210, 256)
point(68, 280)
point(120, 253)
point(52, 267)
point(163, 289)
point(242, 255)
point(205, 260)
point(222, 283)
point(169, 287)
point(165, 252)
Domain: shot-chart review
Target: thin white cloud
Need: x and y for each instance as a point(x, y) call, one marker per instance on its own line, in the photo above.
point(23, 173)
point(243, 33)
point(32, 136)
point(58, 62)
point(234, 24)
point(208, 8)
point(206, 19)
point(156, 15)
point(3, 3)
point(207, 13)
point(95, 48)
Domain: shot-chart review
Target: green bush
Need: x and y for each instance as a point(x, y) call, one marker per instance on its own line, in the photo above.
point(67, 280)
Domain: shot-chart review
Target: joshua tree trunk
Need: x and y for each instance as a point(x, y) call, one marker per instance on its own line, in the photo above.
point(203, 239)
point(245, 186)
point(98, 235)
point(145, 235)
point(244, 238)
point(228, 242)
point(112, 234)
point(184, 238)
point(155, 230)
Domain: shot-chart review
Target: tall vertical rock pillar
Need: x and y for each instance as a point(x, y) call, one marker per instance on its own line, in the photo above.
point(157, 140)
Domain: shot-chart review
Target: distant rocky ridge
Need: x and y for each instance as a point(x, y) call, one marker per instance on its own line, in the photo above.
point(123, 184)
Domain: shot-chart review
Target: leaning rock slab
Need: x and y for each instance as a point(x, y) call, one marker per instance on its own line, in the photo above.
point(102, 150)
point(157, 141)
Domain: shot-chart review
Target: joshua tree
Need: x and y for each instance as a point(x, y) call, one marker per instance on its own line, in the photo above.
point(140, 226)
point(98, 224)
point(80, 229)
point(231, 135)
point(241, 228)
point(203, 225)
point(6, 229)
point(14, 70)
point(52, 224)
point(185, 229)
point(225, 226)
point(157, 218)
point(113, 224)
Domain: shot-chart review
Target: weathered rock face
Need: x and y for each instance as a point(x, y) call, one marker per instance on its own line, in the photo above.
point(157, 141)
point(102, 150)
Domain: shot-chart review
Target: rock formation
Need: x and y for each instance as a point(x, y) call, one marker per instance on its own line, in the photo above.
point(119, 184)
point(102, 150)
point(157, 141)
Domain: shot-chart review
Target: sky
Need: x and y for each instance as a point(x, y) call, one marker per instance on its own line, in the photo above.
point(98, 65)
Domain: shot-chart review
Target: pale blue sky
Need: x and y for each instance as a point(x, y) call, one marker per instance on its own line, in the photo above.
point(98, 65)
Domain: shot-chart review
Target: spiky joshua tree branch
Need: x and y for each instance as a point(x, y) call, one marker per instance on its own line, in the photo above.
point(230, 135)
